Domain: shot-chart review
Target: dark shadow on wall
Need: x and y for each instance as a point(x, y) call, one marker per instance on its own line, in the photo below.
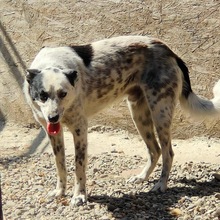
point(2, 121)
point(16, 67)
point(9, 60)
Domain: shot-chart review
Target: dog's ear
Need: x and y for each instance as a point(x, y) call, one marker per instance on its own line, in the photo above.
point(71, 75)
point(31, 73)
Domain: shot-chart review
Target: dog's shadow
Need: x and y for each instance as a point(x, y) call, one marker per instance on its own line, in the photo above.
point(155, 205)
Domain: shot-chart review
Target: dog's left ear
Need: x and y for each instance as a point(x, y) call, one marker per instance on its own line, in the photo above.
point(71, 75)
point(31, 73)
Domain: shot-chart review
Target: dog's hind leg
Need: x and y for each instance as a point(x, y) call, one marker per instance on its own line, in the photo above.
point(162, 105)
point(142, 119)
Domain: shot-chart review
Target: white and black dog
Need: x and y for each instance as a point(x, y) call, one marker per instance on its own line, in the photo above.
point(67, 85)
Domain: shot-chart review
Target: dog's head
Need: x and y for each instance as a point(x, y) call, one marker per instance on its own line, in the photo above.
point(52, 90)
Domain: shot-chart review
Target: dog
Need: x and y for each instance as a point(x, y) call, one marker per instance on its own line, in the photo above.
point(67, 85)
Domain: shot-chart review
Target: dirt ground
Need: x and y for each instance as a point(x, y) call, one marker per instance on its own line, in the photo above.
point(190, 28)
point(23, 141)
point(28, 173)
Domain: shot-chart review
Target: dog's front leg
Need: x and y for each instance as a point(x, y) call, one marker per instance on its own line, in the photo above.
point(80, 141)
point(57, 143)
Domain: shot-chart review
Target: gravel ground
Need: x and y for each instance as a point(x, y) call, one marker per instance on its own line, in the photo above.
point(193, 190)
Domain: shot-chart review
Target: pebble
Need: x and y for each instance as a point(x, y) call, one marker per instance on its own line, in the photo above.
point(176, 212)
point(24, 190)
point(217, 176)
point(217, 195)
point(217, 213)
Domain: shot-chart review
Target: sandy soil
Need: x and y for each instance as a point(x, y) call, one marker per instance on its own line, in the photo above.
point(190, 28)
point(22, 140)
point(196, 159)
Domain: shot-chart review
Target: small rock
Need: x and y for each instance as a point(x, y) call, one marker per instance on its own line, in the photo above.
point(217, 213)
point(217, 195)
point(95, 170)
point(104, 217)
point(200, 202)
point(10, 204)
point(175, 212)
point(217, 176)
point(91, 182)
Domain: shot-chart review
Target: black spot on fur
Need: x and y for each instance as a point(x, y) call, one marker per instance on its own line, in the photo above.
point(186, 85)
point(85, 52)
point(168, 93)
point(54, 151)
point(55, 70)
point(78, 145)
point(77, 132)
point(71, 76)
point(36, 86)
point(80, 154)
point(149, 135)
point(146, 122)
point(135, 93)
point(59, 147)
point(31, 73)
point(167, 52)
point(82, 191)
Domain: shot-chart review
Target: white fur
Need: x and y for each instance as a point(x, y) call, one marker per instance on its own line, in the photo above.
point(201, 108)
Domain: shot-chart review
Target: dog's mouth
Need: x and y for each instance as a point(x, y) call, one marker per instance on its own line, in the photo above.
point(53, 128)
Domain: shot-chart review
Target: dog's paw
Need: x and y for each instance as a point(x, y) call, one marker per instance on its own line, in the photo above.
point(136, 179)
point(78, 200)
point(55, 193)
point(160, 186)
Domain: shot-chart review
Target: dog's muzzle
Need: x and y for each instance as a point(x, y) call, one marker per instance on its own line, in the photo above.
point(53, 119)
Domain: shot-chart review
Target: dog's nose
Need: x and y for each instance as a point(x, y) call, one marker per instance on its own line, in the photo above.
point(53, 119)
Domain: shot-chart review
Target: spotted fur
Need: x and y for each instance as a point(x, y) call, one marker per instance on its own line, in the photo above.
point(70, 84)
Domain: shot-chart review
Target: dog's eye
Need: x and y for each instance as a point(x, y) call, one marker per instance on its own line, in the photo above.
point(62, 94)
point(44, 96)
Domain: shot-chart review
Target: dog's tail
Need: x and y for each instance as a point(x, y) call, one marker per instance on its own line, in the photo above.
point(198, 107)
